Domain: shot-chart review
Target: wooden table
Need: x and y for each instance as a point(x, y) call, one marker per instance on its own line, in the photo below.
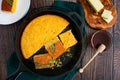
point(105, 67)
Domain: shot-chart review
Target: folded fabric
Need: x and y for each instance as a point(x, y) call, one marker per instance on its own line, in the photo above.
point(13, 62)
point(67, 7)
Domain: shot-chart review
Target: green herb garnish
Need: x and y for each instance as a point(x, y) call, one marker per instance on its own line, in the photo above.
point(52, 63)
point(41, 66)
point(56, 62)
point(68, 50)
point(69, 55)
point(10, 2)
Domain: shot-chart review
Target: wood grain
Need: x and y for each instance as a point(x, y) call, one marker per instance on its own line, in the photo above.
point(106, 66)
point(116, 39)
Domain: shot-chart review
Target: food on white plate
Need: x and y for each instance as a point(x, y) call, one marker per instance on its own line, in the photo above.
point(96, 4)
point(9, 5)
point(95, 19)
point(107, 16)
point(39, 31)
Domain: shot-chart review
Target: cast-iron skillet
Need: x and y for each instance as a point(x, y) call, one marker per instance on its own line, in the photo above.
point(68, 63)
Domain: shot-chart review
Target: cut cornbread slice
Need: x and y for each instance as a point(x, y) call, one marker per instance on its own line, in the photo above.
point(14, 5)
point(68, 39)
point(39, 31)
point(55, 48)
point(42, 60)
point(51, 42)
point(9, 5)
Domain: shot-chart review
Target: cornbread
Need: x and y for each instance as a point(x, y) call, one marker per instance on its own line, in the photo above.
point(55, 48)
point(68, 39)
point(50, 42)
point(41, 59)
point(39, 31)
point(9, 5)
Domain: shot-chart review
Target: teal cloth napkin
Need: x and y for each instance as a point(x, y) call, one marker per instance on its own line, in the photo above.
point(67, 7)
point(13, 62)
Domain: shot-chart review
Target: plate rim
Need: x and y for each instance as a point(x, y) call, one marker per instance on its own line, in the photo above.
point(20, 17)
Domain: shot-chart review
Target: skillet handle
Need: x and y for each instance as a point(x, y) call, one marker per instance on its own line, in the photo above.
point(15, 74)
point(78, 19)
point(82, 26)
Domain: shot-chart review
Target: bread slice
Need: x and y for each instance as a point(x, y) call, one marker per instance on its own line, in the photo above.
point(55, 48)
point(42, 58)
point(9, 5)
point(42, 61)
point(94, 19)
point(68, 39)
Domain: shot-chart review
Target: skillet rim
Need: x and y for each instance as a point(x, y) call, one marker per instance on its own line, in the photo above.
point(20, 30)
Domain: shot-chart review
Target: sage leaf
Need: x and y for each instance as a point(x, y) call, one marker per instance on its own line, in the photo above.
point(10, 2)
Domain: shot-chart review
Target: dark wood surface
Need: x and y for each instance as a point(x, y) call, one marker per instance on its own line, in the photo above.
point(106, 66)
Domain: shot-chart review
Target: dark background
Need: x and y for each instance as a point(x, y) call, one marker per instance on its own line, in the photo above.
point(106, 66)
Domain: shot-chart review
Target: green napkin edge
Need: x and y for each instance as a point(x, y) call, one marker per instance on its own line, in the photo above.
point(73, 7)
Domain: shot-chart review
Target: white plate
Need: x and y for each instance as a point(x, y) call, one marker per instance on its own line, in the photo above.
point(21, 10)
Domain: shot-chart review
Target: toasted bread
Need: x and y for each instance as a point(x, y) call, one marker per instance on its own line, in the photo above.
point(9, 5)
point(94, 19)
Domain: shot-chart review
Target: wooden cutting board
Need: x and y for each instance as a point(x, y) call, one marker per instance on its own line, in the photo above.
point(94, 19)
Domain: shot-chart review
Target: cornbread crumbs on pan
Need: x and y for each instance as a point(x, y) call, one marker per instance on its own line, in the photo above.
point(42, 59)
point(55, 48)
point(68, 39)
point(39, 31)
point(9, 5)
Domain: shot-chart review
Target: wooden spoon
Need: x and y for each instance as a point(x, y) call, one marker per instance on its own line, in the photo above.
point(100, 49)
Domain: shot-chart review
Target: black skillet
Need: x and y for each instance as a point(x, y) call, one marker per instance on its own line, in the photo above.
point(68, 63)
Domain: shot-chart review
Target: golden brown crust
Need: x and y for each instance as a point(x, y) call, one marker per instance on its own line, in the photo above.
point(59, 50)
point(42, 58)
point(68, 39)
point(6, 6)
point(95, 20)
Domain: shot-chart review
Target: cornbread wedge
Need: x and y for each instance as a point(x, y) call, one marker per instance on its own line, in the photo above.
point(39, 31)
point(68, 39)
point(94, 19)
point(42, 58)
point(9, 5)
point(42, 61)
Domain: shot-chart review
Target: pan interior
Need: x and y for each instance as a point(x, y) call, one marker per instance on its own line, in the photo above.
point(68, 62)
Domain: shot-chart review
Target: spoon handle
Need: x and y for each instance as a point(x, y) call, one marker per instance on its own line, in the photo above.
point(100, 49)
